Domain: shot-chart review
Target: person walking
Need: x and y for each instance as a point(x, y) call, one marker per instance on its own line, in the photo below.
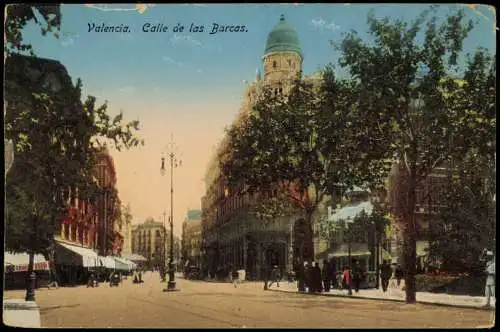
point(308, 277)
point(235, 276)
point(301, 277)
point(385, 275)
point(317, 280)
point(357, 275)
point(275, 276)
point(346, 279)
point(326, 276)
point(490, 279)
point(332, 274)
point(399, 274)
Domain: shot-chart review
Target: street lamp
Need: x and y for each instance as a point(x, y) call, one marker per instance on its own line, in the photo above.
point(163, 249)
point(348, 223)
point(290, 252)
point(174, 162)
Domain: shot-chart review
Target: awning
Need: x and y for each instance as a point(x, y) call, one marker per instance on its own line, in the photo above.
point(19, 262)
point(107, 262)
point(131, 265)
point(350, 211)
point(357, 249)
point(121, 264)
point(346, 254)
point(67, 254)
point(135, 258)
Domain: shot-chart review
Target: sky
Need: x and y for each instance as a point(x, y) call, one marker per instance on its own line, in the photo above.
point(190, 84)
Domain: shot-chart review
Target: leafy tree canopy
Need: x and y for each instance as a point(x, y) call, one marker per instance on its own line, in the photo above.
point(57, 138)
point(47, 17)
point(413, 107)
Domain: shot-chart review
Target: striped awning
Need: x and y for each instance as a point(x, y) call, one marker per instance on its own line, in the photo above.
point(122, 264)
point(107, 262)
point(69, 254)
point(19, 262)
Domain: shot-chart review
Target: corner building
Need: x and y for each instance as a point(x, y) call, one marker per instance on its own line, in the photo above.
point(230, 235)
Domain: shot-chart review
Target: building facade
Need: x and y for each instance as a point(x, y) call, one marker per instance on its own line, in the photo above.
point(191, 238)
point(231, 236)
point(127, 231)
point(151, 240)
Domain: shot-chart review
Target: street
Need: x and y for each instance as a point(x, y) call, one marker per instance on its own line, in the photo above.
point(202, 304)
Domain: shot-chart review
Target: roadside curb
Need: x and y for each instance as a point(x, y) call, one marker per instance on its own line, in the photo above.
point(460, 306)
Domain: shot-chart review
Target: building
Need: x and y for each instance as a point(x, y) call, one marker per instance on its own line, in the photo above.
point(230, 235)
point(109, 239)
point(191, 238)
point(233, 237)
point(90, 223)
point(127, 231)
point(151, 240)
point(429, 202)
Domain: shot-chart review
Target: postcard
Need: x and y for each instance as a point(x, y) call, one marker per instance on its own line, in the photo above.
point(280, 165)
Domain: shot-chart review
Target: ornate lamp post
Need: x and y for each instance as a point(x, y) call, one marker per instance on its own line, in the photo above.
point(163, 249)
point(174, 162)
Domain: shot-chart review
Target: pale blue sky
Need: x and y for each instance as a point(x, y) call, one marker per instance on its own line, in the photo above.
point(191, 84)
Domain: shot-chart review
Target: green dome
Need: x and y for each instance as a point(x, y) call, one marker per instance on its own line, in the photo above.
point(283, 38)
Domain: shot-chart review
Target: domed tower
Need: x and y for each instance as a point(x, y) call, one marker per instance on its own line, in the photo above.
point(283, 57)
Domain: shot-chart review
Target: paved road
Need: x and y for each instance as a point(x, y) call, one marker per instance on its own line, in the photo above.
point(210, 305)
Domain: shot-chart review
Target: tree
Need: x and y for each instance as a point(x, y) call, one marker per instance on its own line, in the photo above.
point(48, 18)
point(466, 226)
point(56, 137)
point(412, 108)
point(278, 150)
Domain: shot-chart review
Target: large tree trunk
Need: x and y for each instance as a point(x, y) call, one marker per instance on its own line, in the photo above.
point(410, 244)
point(309, 239)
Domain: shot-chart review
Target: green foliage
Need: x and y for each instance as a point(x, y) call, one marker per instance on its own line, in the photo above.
point(427, 283)
point(54, 135)
point(466, 226)
point(422, 117)
point(47, 17)
point(281, 144)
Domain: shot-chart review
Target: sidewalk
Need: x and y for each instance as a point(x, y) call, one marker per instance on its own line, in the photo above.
point(396, 295)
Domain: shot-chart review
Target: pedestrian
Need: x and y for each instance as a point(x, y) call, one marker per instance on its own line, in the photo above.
point(301, 277)
point(307, 277)
point(490, 278)
point(317, 280)
point(385, 275)
point(234, 276)
point(326, 276)
point(357, 275)
point(275, 276)
point(332, 274)
point(346, 279)
point(399, 274)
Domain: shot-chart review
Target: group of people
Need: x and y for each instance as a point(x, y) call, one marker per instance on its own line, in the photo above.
point(315, 279)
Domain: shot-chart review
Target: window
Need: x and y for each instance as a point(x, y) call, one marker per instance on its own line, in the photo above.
point(275, 64)
point(289, 63)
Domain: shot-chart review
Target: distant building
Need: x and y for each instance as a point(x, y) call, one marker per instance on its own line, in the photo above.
point(191, 238)
point(127, 232)
point(151, 240)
